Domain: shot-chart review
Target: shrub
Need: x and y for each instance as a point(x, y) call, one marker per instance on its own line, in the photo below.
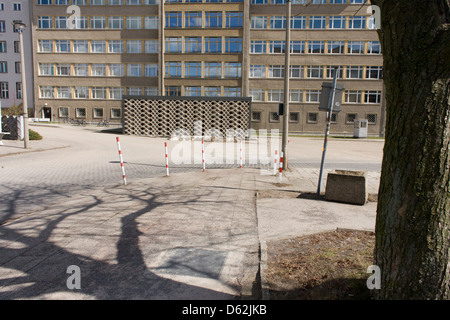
point(33, 135)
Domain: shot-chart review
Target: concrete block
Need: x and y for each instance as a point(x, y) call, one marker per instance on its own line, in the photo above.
point(347, 187)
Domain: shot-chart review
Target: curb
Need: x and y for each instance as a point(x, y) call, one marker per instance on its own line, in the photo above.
point(31, 151)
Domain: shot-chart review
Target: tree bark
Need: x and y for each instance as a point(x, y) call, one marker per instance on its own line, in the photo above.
point(413, 215)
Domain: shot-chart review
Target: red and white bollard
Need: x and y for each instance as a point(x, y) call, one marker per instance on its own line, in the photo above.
point(280, 174)
point(203, 156)
point(240, 154)
point(167, 159)
point(121, 161)
point(275, 159)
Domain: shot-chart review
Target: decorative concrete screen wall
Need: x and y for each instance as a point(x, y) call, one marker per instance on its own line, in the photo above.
point(162, 116)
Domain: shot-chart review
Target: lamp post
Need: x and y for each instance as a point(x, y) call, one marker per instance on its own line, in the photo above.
point(19, 26)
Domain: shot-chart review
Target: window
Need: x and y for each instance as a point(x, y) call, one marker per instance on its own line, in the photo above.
point(258, 47)
point(371, 23)
point(313, 117)
point(192, 19)
point(134, 91)
point(80, 46)
point(312, 95)
point(61, 22)
point(18, 67)
point(4, 91)
point(234, 19)
point(115, 22)
point(357, 22)
point(259, 22)
point(81, 70)
point(232, 91)
point(16, 47)
point(98, 46)
point(152, 91)
point(298, 22)
point(314, 72)
point(372, 118)
point(213, 69)
point(134, 23)
point(350, 118)
point(352, 96)
point(317, 22)
point(256, 116)
point(173, 69)
point(134, 70)
point(274, 117)
point(63, 92)
point(46, 92)
point(294, 117)
point(45, 69)
point(336, 47)
point(115, 113)
point(257, 71)
point(173, 19)
point(133, 2)
point(2, 6)
point(98, 2)
point(115, 46)
point(296, 71)
point(212, 91)
point(115, 93)
point(173, 91)
point(97, 22)
point(213, 45)
point(151, 46)
point(80, 23)
point(192, 69)
point(98, 113)
point(80, 2)
point(62, 46)
point(3, 67)
point(151, 70)
point(151, 22)
point(374, 73)
point(173, 45)
point(134, 46)
point(3, 47)
point(295, 95)
point(330, 72)
point(98, 93)
point(63, 112)
point(354, 72)
point(63, 69)
point(297, 47)
point(233, 45)
point(43, 23)
point(372, 97)
point(277, 22)
point(275, 95)
point(116, 70)
point(232, 70)
point(98, 70)
point(193, 44)
point(373, 47)
point(81, 93)
point(337, 22)
point(355, 47)
point(276, 46)
point(80, 112)
point(213, 19)
point(192, 91)
point(316, 47)
point(276, 71)
point(257, 94)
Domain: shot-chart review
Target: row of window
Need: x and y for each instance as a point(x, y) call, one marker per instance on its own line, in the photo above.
point(16, 6)
point(84, 92)
point(99, 69)
point(4, 67)
point(80, 113)
point(98, 46)
point(97, 2)
point(313, 96)
point(315, 47)
point(150, 2)
point(4, 47)
point(98, 22)
point(313, 117)
point(314, 22)
point(317, 72)
point(4, 90)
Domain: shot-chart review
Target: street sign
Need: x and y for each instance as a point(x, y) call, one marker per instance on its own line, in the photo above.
point(327, 88)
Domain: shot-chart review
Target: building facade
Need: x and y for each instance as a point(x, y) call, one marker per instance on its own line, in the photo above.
point(10, 65)
point(86, 60)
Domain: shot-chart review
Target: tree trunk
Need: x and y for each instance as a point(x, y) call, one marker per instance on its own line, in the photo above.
point(413, 215)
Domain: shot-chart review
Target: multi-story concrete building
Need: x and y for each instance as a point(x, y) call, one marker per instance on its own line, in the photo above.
point(208, 48)
point(10, 65)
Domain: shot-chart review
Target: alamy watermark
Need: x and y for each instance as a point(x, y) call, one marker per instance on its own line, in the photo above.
point(375, 12)
point(74, 281)
point(374, 281)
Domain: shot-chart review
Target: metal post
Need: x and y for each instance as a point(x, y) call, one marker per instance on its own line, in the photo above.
point(287, 49)
point(20, 27)
point(327, 132)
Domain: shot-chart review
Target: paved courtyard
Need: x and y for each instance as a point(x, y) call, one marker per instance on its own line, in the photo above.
point(192, 235)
